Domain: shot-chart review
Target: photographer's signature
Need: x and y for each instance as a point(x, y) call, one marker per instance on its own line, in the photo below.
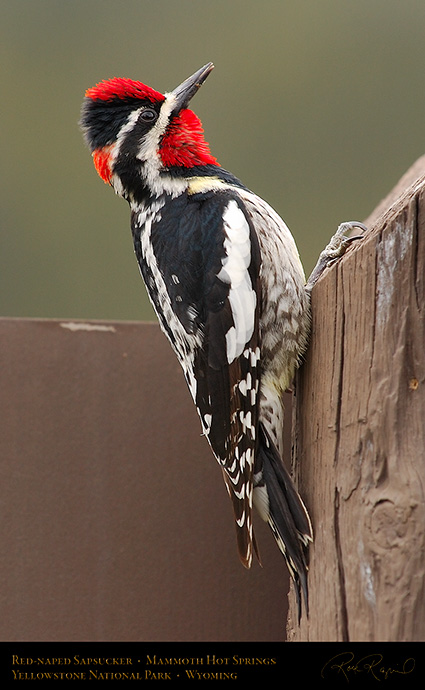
point(345, 664)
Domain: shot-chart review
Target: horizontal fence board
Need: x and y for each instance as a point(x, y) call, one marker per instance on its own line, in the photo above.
point(116, 524)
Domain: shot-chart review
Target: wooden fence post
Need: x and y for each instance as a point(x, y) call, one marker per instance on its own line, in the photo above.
point(359, 432)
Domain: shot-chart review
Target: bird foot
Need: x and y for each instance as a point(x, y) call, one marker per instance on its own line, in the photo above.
point(335, 249)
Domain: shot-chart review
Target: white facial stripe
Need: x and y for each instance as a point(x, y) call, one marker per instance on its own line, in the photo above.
point(150, 144)
point(148, 154)
point(131, 121)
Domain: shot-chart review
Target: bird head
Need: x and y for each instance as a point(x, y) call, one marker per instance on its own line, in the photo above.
point(137, 135)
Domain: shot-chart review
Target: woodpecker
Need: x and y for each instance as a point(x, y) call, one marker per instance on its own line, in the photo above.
point(224, 276)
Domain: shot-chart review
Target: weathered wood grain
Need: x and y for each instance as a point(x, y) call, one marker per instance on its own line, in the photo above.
point(359, 432)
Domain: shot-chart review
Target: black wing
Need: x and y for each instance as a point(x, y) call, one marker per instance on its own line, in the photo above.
point(204, 253)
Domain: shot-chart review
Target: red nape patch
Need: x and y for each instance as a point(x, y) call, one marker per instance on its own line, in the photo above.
point(122, 88)
point(102, 162)
point(184, 144)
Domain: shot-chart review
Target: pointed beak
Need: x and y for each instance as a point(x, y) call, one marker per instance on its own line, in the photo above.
point(189, 87)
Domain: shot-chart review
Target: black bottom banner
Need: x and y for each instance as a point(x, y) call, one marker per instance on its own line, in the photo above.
point(327, 664)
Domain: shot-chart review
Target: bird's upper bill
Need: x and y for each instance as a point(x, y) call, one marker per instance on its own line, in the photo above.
point(187, 89)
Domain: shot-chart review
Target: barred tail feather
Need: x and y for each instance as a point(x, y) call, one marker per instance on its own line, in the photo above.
point(242, 510)
point(287, 515)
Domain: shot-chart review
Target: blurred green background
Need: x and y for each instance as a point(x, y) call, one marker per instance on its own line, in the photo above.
point(317, 105)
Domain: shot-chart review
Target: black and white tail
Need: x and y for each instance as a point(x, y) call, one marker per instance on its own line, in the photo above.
point(279, 504)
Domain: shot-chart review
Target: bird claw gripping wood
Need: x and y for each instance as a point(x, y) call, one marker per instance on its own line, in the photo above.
point(336, 248)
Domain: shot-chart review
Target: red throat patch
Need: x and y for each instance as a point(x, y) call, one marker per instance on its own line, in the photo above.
point(183, 144)
point(102, 162)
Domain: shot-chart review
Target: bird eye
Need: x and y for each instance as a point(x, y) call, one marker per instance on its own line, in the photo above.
point(148, 115)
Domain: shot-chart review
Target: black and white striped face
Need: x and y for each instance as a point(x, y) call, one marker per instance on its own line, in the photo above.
point(108, 114)
point(137, 154)
point(135, 133)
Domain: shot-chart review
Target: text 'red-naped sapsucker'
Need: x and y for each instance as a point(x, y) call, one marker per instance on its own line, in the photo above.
point(224, 276)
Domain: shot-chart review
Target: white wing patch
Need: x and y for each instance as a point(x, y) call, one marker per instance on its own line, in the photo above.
point(242, 296)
